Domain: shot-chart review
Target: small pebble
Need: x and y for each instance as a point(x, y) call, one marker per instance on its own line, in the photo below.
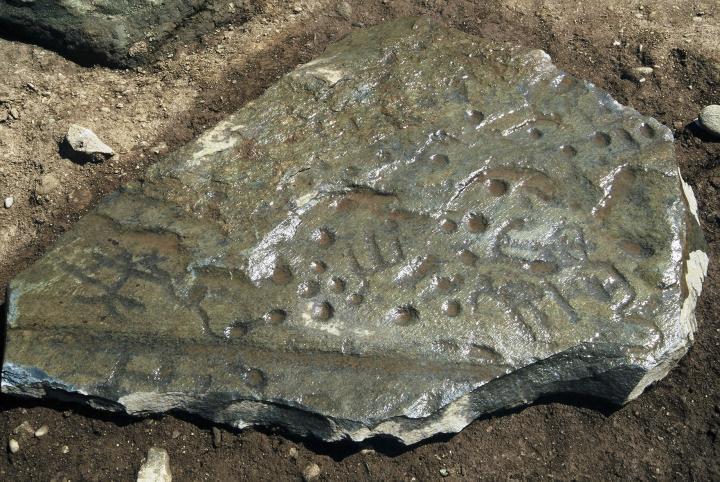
point(24, 429)
point(9, 201)
point(156, 467)
point(297, 9)
point(13, 445)
point(65, 449)
point(643, 70)
point(344, 10)
point(175, 434)
point(48, 184)
point(311, 472)
point(710, 119)
point(293, 453)
point(42, 431)
point(638, 74)
point(216, 437)
point(444, 472)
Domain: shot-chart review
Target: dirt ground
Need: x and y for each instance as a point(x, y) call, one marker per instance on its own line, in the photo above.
point(671, 432)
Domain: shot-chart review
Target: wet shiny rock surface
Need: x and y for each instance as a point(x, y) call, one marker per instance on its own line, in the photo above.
point(415, 229)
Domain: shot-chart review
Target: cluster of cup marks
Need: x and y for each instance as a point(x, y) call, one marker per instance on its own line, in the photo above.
point(474, 223)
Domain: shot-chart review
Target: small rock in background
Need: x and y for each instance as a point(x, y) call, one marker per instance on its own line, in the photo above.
point(344, 10)
point(311, 472)
point(65, 449)
point(156, 467)
point(48, 183)
point(13, 445)
point(643, 70)
point(42, 431)
point(80, 198)
point(8, 112)
point(637, 74)
point(293, 453)
point(216, 437)
point(24, 430)
point(444, 472)
point(710, 119)
point(160, 148)
point(9, 201)
point(5, 94)
point(83, 145)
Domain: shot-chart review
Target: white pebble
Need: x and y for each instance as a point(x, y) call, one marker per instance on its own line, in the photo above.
point(311, 472)
point(643, 70)
point(13, 445)
point(65, 449)
point(42, 431)
point(9, 201)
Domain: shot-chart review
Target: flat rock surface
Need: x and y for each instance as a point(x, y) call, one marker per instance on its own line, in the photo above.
point(116, 32)
point(417, 228)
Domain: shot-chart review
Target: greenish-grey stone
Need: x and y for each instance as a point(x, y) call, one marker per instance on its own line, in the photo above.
point(116, 32)
point(417, 228)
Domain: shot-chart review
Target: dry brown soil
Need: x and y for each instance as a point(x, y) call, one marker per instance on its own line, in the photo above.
point(671, 432)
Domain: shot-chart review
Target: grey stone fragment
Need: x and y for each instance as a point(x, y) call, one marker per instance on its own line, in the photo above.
point(121, 33)
point(216, 437)
point(710, 119)
point(156, 467)
point(86, 144)
point(417, 228)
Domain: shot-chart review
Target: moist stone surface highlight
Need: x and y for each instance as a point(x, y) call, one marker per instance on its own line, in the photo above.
point(415, 229)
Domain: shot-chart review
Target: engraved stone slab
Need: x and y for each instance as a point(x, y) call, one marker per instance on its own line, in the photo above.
point(417, 228)
point(117, 32)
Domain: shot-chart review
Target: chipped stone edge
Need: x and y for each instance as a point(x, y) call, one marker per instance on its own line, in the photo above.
point(696, 267)
point(596, 377)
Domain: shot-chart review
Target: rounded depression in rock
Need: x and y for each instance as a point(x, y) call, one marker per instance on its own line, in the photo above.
point(417, 228)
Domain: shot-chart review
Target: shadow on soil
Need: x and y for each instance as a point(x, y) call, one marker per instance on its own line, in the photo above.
point(336, 450)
